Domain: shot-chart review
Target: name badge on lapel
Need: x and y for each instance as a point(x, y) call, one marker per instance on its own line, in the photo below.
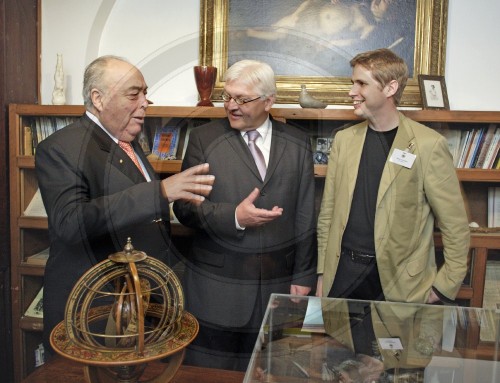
point(403, 158)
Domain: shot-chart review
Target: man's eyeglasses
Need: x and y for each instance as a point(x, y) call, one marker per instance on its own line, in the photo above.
point(240, 101)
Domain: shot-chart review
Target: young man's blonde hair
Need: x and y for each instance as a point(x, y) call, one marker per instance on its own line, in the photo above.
point(385, 66)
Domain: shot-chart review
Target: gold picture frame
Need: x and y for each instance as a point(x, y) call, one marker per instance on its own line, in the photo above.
point(428, 58)
point(433, 92)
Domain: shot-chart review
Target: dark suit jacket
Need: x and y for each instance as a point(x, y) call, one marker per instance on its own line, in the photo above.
point(229, 271)
point(95, 198)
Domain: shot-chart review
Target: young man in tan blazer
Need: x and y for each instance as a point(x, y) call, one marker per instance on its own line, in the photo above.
point(389, 179)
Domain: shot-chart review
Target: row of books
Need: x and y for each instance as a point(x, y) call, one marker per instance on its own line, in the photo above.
point(474, 148)
point(471, 148)
point(41, 128)
point(166, 142)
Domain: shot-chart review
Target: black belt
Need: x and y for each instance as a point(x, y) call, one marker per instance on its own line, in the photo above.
point(358, 257)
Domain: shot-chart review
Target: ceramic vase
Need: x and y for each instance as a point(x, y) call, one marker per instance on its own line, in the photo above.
point(205, 77)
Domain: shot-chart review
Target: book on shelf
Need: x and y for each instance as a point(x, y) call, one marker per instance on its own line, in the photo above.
point(476, 148)
point(454, 138)
point(185, 133)
point(44, 126)
point(494, 206)
point(487, 138)
point(479, 147)
point(186, 140)
point(39, 258)
point(39, 355)
point(35, 309)
point(473, 144)
point(492, 152)
point(144, 143)
point(464, 146)
point(36, 208)
point(491, 299)
point(27, 141)
point(165, 142)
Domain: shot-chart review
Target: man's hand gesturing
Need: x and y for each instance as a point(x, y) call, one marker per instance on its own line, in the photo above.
point(191, 185)
point(248, 215)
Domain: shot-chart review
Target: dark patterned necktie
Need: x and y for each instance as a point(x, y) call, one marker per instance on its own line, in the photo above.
point(256, 153)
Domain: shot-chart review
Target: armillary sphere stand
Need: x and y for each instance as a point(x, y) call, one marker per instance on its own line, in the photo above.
point(123, 314)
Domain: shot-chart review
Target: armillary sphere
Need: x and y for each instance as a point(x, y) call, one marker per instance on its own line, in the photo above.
point(123, 314)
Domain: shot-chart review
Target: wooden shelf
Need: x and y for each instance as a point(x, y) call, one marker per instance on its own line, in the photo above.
point(465, 293)
point(174, 166)
point(26, 162)
point(31, 324)
point(27, 222)
point(166, 166)
point(478, 175)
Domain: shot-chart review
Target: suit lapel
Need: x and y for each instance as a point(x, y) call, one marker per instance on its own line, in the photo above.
point(123, 162)
point(354, 148)
point(241, 150)
point(117, 157)
point(278, 145)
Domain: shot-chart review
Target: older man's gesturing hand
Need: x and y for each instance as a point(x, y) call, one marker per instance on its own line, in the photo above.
point(191, 185)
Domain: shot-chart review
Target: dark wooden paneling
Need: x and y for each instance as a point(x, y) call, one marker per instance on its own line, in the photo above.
point(19, 66)
point(21, 53)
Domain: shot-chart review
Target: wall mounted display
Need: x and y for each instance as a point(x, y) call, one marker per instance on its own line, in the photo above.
point(433, 92)
point(311, 42)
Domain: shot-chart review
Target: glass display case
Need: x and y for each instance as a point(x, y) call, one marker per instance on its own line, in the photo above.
point(309, 339)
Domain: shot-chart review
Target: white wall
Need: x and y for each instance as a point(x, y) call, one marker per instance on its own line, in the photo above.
point(473, 54)
point(161, 38)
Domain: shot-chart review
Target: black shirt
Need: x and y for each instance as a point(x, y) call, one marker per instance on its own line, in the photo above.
point(359, 233)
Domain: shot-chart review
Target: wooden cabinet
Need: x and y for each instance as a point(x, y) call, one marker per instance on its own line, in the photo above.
point(29, 235)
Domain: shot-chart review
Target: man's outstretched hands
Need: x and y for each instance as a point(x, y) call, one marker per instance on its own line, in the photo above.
point(248, 215)
point(191, 185)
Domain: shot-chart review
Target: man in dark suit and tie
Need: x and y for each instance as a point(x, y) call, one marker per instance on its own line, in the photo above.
point(255, 233)
point(96, 194)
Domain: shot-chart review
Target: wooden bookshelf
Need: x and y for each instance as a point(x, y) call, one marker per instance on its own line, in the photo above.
point(29, 235)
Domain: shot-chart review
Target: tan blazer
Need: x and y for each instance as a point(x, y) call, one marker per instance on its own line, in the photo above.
point(408, 202)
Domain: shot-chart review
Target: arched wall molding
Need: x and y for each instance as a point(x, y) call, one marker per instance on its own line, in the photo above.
point(95, 34)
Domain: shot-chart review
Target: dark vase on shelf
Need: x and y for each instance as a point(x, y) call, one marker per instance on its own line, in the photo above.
point(205, 81)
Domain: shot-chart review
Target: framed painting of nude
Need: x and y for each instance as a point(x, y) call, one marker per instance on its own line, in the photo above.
point(312, 41)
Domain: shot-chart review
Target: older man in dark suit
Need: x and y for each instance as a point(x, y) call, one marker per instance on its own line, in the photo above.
point(255, 234)
point(95, 193)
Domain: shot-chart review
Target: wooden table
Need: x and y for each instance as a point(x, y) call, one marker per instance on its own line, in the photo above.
point(59, 369)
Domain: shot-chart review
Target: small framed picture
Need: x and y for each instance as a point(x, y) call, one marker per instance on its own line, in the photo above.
point(324, 144)
point(433, 92)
